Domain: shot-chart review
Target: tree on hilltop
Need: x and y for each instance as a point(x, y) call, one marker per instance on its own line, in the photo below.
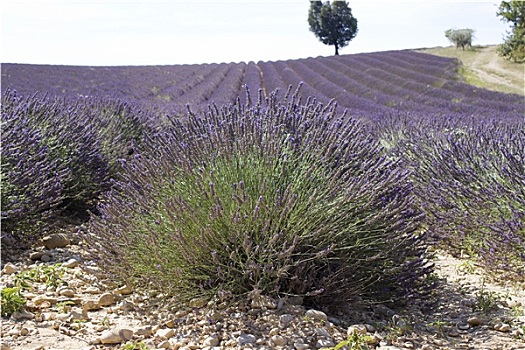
point(460, 37)
point(332, 23)
point(514, 46)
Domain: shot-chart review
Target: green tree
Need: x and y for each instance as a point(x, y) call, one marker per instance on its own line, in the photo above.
point(332, 23)
point(460, 37)
point(514, 46)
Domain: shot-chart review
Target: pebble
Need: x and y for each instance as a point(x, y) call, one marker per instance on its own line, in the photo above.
point(116, 336)
point(285, 319)
point(71, 263)
point(212, 340)
point(316, 315)
point(324, 343)
point(9, 269)
point(106, 299)
point(69, 293)
point(91, 305)
point(278, 340)
point(23, 315)
point(301, 346)
point(475, 321)
point(356, 329)
point(165, 333)
point(57, 240)
point(124, 290)
point(93, 290)
point(246, 339)
point(35, 255)
point(502, 327)
point(41, 299)
point(198, 302)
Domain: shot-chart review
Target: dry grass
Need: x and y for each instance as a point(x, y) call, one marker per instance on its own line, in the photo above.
point(483, 67)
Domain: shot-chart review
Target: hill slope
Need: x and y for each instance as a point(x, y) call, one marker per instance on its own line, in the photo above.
point(483, 67)
point(367, 85)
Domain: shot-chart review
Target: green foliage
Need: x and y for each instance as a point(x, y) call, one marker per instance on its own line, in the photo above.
point(12, 301)
point(131, 345)
point(50, 275)
point(354, 342)
point(332, 23)
point(460, 37)
point(513, 48)
point(513, 12)
point(486, 301)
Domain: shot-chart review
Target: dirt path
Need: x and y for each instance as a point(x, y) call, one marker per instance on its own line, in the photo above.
point(483, 67)
point(491, 68)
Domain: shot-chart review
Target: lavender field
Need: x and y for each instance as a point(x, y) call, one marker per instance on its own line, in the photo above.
point(369, 149)
point(367, 85)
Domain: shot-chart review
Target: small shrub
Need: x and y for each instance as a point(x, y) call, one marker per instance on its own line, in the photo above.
point(12, 301)
point(50, 275)
point(469, 176)
point(32, 178)
point(284, 198)
point(59, 156)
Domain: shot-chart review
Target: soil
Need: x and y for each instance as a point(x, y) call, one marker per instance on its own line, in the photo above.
point(468, 312)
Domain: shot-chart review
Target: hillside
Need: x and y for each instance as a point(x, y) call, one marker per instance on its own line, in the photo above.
point(367, 85)
point(483, 67)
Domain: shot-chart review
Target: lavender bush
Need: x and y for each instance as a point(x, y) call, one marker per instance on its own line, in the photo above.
point(470, 179)
point(288, 198)
point(32, 179)
point(58, 156)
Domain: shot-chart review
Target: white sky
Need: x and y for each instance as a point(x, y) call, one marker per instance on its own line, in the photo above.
point(174, 32)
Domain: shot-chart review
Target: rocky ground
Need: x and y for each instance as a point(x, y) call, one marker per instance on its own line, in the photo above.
point(68, 308)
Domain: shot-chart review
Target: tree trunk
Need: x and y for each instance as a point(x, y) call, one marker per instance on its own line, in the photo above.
point(336, 50)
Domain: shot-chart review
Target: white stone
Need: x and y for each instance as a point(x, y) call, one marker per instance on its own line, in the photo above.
point(324, 343)
point(278, 340)
point(165, 333)
point(246, 339)
point(58, 240)
point(106, 299)
point(10, 269)
point(198, 302)
point(124, 290)
point(285, 319)
point(116, 336)
point(164, 344)
point(90, 305)
point(71, 263)
point(93, 290)
point(316, 315)
point(356, 329)
point(300, 346)
point(502, 327)
point(212, 340)
point(475, 321)
point(40, 299)
point(69, 293)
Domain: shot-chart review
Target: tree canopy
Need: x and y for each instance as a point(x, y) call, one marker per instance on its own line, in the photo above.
point(332, 23)
point(460, 37)
point(514, 46)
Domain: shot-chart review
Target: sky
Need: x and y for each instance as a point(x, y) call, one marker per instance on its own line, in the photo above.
point(112, 33)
